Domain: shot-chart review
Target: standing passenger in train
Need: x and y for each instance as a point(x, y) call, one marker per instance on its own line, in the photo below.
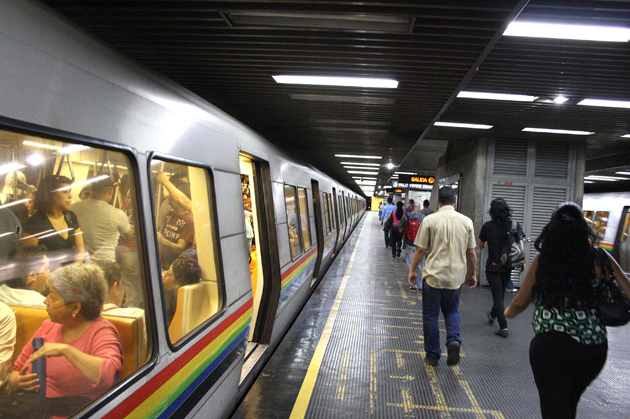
point(127, 256)
point(387, 209)
point(8, 330)
point(448, 240)
point(53, 224)
point(394, 232)
point(493, 235)
point(11, 233)
point(100, 222)
point(178, 233)
point(570, 345)
point(409, 227)
point(172, 185)
point(28, 271)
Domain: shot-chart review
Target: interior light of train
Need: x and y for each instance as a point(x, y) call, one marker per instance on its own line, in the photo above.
point(338, 81)
point(606, 103)
point(563, 31)
point(85, 182)
point(40, 145)
point(560, 100)
point(10, 204)
point(72, 149)
point(358, 172)
point(461, 125)
point(360, 164)
point(35, 159)
point(355, 156)
point(557, 131)
point(496, 96)
point(10, 167)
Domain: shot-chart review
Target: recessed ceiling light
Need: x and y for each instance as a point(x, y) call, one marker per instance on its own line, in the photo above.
point(606, 103)
point(358, 172)
point(558, 131)
point(560, 100)
point(460, 125)
point(496, 96)
point(338, 81)
point(370, 100)
point(356, 156)
point(360, 164)
point(563, 31)
point(390, 165)
point(625, 136)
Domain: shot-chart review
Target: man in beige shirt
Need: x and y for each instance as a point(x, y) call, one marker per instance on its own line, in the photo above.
point(448, 239)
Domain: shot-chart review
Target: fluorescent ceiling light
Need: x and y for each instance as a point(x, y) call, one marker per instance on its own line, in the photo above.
point(460, 125)
point(362, 168)
point(563, 31)
point(588, 181)
point(10, 167)
point(35, 159)
point(354, 172)
point(356, 156)
point(404, 173)
point(623, 173)
point(558, 131)
point(349, 121)
point(72, 149)
point(625, 136)
point(560, 100)
point(40, 145)
point(366, 182)
point(606, 103)
point(497, 96)
point(607, 178)
point(370, 100)
point(345, 129)
point(363, 177)
point(338, 81)
point(360, 164)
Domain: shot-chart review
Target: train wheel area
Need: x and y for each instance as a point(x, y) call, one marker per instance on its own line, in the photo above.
point(357, 350)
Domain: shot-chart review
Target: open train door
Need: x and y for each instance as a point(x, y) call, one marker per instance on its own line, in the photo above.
point(319, 228)
point(337, 219)
point(264, 258)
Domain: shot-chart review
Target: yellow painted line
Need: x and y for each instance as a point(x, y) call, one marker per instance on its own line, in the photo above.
point(400, 360)
point(440, 401)
point(407, 401)
point(494, 413)
point(373, 384)
point(473, 400)
point(304, 397)
point(403, 377)
point(343, 376)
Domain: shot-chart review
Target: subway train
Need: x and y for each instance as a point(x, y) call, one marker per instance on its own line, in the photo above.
point(194, 184)
point(609, 215)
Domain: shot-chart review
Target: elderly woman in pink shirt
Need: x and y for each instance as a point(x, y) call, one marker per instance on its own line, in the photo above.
point(83, 351)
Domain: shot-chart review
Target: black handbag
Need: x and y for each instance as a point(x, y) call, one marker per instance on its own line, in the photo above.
point(24, 405)
point(613, 307)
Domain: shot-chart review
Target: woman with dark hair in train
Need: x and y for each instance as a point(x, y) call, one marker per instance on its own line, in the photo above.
point(395, 236)
point(53, 224)
point(570, 344)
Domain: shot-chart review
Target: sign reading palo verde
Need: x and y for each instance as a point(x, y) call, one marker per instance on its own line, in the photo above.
point(414, 182)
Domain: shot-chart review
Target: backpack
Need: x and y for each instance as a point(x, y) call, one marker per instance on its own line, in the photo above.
point(413, 225)
point(512, 252)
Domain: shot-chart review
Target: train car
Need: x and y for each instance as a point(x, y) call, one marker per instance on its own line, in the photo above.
point(219, 235)
point(609, 215)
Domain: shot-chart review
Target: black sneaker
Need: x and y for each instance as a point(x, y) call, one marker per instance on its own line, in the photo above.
point(453, 353)
point(431, 362)
point(490, 318)
point(413, 289)
point(502, 332)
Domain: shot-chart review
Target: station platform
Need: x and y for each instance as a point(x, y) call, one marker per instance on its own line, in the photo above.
point(356, 351)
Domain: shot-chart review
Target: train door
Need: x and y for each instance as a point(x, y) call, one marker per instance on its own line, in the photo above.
point(319, 228)
point(337, 218)
point(264, 264)
point(621, 248)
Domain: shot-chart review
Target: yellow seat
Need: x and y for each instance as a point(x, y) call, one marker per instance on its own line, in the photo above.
point(195, 304)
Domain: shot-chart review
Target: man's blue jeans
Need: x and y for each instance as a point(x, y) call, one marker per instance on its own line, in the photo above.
point(434, 299)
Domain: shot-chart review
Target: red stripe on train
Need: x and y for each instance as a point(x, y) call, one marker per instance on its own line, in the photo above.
point(298, 264)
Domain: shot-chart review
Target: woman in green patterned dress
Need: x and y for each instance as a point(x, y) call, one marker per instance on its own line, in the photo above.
point(570, 346)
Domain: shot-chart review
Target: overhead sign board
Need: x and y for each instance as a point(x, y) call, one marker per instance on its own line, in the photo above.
point(414, 182)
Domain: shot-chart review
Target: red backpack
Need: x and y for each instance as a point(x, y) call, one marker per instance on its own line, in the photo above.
point(413, 225)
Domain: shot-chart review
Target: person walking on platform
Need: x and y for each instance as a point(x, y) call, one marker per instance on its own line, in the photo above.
point(570, 346)
point(380, 210)
point(409, 226)
point(410, 207)
point(493, 236)
point(387, 209)
point(448, 240)
point(395, 235)
point(426, 210)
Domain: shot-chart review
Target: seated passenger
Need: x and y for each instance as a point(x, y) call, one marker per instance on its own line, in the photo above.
point(100, 222)
point(28, 277)
point(53, 224)
point(7, 343)
point(183, 271)
point(83, 351)
point(178, 233)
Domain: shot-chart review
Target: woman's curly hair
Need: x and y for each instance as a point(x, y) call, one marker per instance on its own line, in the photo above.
point(566, 265)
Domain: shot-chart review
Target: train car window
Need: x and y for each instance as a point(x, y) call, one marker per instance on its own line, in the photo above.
point(588, 216)
point(292, 221)
point(625, 227)
point(331, 213)
point(600, 222)
point(71, 261)
point(304, 217)
point(188, 245)
point(325, 209)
